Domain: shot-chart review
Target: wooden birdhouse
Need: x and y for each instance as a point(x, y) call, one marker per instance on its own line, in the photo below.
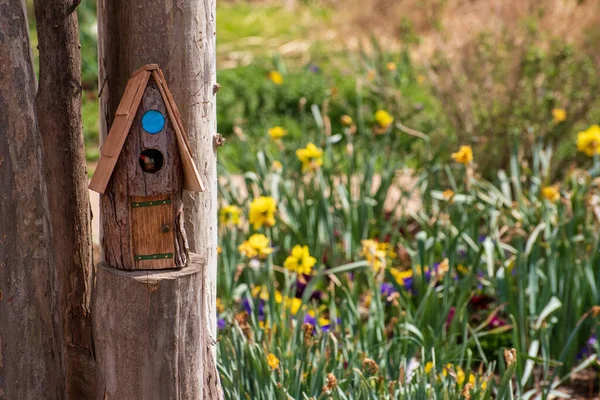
point(145, 164)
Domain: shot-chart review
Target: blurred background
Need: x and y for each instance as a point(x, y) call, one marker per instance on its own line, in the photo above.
point(482, 72)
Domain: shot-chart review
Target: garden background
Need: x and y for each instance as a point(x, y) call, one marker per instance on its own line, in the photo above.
point(408, 192)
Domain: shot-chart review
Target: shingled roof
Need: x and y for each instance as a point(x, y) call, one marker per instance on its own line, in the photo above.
point(124, 117)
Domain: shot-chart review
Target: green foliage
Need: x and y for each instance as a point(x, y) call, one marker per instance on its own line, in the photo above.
point(502, 90)
point(531, 258)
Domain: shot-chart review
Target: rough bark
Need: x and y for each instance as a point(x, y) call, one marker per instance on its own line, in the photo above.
point(31, 363)
point(180, 37)
point(58, 105)
point(148, 345)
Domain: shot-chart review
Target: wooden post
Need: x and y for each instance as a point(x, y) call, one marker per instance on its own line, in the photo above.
point(59, 94)
point(31, 356)
point(172, 312)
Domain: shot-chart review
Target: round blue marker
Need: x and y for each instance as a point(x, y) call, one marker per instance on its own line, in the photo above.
point(153, 121)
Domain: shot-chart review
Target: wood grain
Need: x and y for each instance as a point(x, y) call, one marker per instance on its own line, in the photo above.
point(181, 39)
point(58, 106)
point(191, 177)
point(118, 133)
point(169, 178)
point(31, 337)
point(148, 237)
point(148, 329)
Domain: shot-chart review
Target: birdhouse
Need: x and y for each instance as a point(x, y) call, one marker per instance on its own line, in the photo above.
point(145, 164)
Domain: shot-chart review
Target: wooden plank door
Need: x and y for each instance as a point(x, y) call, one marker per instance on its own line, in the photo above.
point(152, 232)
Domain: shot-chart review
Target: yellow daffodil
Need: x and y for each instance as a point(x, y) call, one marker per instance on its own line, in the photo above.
point(300, 260)
point(460, 374)
point(310, 157)
point(428, 367)
point(262, 212)
point(277, 132)
point(551, 193)
point(442, 268)
point(293, 304)
point(275, 77)
point(272, 361)
point(230, 215)
point(276, 166)
point(448, 194)
point(262, 293)
point(383, 119)
point(377, 253)
point(371, 75)
point(588, 141)
point(401, 276)
point(257, 246)
point(559, 115)
point(346, 120)
point(464, 155)
point(220, 306)
point(391, 66)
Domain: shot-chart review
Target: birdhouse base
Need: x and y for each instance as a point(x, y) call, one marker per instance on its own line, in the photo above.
point(150, 332)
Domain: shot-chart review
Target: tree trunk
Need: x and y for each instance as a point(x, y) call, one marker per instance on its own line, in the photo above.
point(31, 362)
point(59, 119)
point(149, 344)
point(180, 38)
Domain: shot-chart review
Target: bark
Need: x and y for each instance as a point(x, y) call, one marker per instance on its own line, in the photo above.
point(31, 363)
point(58, 105)
point(179, 36)
point(148, 345)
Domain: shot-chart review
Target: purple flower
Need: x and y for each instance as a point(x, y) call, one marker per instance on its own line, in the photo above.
point(387, 289)
point(248, 306)
point(221, 323)
point(309, 319)
point(588, 349)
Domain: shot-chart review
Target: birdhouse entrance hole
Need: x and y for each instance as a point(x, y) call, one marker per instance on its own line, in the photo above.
point(151, 160)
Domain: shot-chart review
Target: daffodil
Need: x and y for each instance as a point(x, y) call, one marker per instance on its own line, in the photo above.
point(262, 212)
point(383, 119)
point(275, 77)
point(276, 165)
point(272, 361)
point(551, 193)
point(448, 194)
point(300, 260)
point(262, 293)
point(377, 253)
point(346, 120)
point(402, 277)
point(428, 367)
point(391, 66)
point(277, 132)
point(257, 246)
point(559, 115)
point(588, 141)
point(464, 155)
point(371, 74)
point(310, 157)
point(292, 304)
point(230, 215)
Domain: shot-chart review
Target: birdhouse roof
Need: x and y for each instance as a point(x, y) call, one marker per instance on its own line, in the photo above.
point(121, 126)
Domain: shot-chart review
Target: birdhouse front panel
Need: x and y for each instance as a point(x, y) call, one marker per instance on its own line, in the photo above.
point(145, 165)
point(150, 151)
